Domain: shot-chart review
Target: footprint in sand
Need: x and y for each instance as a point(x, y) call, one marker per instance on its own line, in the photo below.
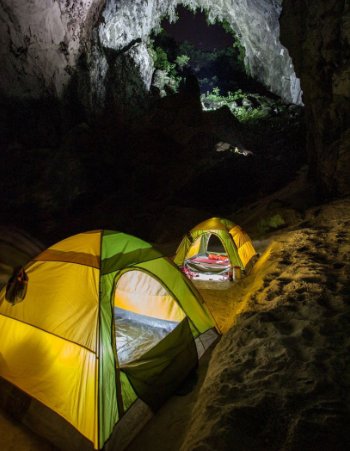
point(338, 265)
point(285, 262)
point(303, 249)
point(285, 280)
point(312, 279)
point(318, 257)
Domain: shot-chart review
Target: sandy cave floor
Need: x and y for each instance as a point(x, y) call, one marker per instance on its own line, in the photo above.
point(279, 379)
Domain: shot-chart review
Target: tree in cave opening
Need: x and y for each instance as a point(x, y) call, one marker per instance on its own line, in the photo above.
point(212, 52)
point(192, 45)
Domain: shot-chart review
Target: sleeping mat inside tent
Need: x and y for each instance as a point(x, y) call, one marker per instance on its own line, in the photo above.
point(209, 263)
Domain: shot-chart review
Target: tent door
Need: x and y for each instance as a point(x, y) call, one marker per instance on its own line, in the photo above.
point(215, 245)
point(154, 343)
point(144, 313)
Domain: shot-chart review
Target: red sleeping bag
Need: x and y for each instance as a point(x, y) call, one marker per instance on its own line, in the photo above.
point(217, 257)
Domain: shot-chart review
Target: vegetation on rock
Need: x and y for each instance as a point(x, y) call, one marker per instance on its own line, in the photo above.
point(223, 78)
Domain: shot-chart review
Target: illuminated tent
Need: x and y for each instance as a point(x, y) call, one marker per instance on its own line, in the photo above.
point(107, 320)
point(237, 246)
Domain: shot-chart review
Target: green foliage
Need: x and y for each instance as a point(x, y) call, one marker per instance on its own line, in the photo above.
point(207, 12)
point(231, 96)
point(241, 54)
point(250, 116)
point(198, 57)
point(227, 27)
point(182, 61)
point(243, 114)
point(173, 57)
point(237, 49)
point(193, 9)
point(161, 60)
point(273, 222)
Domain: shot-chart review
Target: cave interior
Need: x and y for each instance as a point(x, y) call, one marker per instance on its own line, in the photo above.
point(149, 117)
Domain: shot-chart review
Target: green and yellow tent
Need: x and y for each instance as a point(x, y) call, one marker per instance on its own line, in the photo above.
point(237, 246)
point(106, 320)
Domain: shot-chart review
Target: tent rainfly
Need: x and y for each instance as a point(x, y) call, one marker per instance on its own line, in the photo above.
point(238, 247)
point(106, 330)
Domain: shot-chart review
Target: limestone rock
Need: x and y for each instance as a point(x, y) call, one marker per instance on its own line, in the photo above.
point(44, 39)
point(17, 248)
point(317, 35)
point(254, 21)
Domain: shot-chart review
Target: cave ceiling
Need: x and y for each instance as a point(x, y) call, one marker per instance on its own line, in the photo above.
point(43, 40)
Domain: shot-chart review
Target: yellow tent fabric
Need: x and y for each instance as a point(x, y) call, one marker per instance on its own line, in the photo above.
point(246, 253)
point(194, 249)
point(67, 382)
point(244, 245)
point(55, 335)
point(213, 224)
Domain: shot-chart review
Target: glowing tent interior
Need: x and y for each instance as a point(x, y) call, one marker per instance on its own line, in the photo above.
point(193, 253)
point(108, 326)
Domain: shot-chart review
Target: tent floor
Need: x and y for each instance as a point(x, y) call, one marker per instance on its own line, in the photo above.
point(136, 334)
point(202, 264)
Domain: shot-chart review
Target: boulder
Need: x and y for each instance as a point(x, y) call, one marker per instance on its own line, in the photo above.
point(17, 248)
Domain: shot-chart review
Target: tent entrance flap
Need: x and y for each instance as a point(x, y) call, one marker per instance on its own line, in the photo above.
point(159, 372)
point(154, 342)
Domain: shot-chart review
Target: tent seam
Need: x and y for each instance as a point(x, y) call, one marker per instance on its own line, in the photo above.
point(50, 333)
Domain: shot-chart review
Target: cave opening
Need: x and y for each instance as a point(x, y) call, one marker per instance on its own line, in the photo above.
point(154, 148)
point(193, 45)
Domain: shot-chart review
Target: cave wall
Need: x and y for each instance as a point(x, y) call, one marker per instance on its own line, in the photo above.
point(88, 52)
point(55, 74)
point(41, 41)
point(317, 35)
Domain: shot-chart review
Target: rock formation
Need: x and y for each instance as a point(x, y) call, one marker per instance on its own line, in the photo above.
point(44, 39)
point(317, 34)
point(67, 61)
